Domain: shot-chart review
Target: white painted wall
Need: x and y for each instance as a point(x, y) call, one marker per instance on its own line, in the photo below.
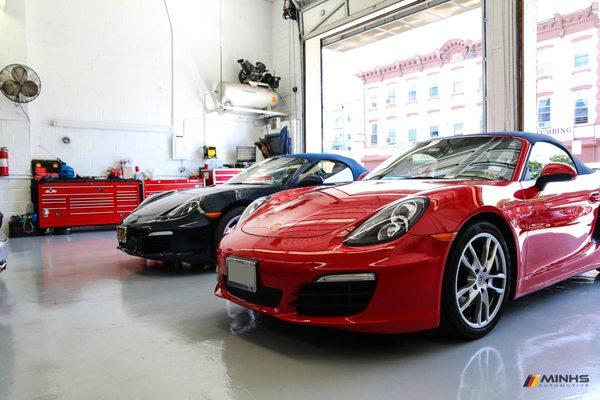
point(110, 61)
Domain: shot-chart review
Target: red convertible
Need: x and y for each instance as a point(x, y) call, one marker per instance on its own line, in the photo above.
point(441, 236)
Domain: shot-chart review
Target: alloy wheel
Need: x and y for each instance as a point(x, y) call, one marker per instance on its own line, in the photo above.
point(231, 224)
point(480, 284)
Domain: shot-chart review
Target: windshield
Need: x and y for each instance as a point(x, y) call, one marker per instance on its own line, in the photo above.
point(272, 172)
point(489, 158)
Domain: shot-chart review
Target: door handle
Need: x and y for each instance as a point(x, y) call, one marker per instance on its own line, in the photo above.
point(594, 197)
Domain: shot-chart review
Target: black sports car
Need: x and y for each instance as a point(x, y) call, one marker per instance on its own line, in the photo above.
point(187, 225)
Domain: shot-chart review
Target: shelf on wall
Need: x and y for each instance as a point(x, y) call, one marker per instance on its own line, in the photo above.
point(253, 111)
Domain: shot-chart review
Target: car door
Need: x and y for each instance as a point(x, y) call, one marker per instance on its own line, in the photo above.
point(331, 171)
point(558, 219)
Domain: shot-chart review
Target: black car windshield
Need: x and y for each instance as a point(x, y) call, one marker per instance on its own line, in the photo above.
point(272, 172)
point(479, 157)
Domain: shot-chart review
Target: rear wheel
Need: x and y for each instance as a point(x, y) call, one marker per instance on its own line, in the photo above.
point(227, 223)
point(476, 282)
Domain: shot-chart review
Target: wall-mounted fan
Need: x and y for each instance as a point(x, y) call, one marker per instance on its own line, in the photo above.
point(19, 83)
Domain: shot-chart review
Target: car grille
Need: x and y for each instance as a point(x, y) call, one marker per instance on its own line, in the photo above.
point(156, 244)
point(334, 298)
point(264, 296)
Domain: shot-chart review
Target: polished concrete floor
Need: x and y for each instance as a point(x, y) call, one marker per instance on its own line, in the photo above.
point(79, 320)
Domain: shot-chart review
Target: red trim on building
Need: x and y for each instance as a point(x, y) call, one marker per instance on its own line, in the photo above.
point(458, 107)
point(466, 48)
point(581, 87)
point(544, 94)
point(580, 38)
point(412, 114)
point(435, 110)
point(545, 47)
point(579, 71)
point(574, 22)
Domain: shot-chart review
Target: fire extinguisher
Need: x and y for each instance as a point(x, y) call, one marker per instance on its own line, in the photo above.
point(3, 161)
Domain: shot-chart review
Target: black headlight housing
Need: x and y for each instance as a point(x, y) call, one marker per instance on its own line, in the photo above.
point(390, 223)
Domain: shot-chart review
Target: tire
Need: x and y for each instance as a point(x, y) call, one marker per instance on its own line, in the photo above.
point(226, 222)
point(468, 283)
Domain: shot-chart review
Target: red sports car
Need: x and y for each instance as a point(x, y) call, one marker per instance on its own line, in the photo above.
point(441, 236)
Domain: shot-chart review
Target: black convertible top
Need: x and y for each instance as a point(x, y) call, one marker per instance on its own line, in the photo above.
point(533, 138)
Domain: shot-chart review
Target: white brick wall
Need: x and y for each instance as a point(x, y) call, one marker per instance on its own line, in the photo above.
point(109, 61)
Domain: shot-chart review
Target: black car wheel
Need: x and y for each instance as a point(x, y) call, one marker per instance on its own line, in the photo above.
point(228, 222)
point(476, 282)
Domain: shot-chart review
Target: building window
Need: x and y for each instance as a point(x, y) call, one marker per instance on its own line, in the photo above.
point(373, 134)
point(434, 91)
point(459, 128)
point(391, 97)
point(544, 70)
point(412, 93)
point(391, 139)
point(481, 127)
point(457, 87)
point(412, 135)
point(544, 113)
point(480, 86)
point(581, 60)
point(434, 131)
point(373, 99)
point(581, 111)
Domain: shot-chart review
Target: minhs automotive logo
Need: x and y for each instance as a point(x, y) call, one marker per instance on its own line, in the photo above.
point(556, 380)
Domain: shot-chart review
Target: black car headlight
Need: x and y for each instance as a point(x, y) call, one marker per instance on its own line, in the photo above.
point(390, 223)
point(184, 209)
point(251, 209)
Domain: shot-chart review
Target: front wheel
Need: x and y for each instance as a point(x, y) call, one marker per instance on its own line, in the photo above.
point(227, 223)
point(476, 282)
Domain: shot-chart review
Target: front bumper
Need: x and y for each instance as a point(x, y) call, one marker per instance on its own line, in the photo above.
point(405, 297)
point(188, 241)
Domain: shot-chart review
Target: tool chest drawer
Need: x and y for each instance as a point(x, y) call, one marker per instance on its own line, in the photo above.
point(85, 203)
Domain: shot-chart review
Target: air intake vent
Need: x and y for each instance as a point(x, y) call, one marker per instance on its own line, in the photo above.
point(334, 298)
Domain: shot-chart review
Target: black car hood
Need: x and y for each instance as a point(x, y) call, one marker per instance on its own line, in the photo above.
point(171, 200)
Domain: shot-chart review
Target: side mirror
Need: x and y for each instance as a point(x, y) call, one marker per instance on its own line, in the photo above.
point(311, 180)
point(362, 176)
point(555, 172)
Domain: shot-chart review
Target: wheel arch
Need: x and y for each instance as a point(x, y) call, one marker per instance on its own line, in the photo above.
point(507, 232)
point(232, 205)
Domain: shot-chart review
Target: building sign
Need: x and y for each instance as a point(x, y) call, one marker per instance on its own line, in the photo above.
point(561, 134)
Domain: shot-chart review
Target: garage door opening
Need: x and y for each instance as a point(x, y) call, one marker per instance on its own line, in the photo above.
point(403, 79)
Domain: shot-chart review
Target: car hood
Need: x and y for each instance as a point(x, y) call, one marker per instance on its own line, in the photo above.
point(168, 201)
point(333, 210)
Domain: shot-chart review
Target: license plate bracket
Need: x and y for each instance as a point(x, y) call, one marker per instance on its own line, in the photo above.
point(241, 273)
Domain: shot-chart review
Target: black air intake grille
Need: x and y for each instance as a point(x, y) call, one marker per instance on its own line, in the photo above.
point(264, 296)
point(156, 244)
point(334, 298)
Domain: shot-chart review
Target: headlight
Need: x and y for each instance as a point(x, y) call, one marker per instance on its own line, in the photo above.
point(390, 223)
point(184, 209)
point(255, 205)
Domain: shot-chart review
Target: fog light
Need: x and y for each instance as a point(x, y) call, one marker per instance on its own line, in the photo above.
point(368, 276)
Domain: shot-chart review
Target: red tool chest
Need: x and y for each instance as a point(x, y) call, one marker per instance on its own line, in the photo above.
point(62, 204)
point(154, 186)
point(218, 176)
